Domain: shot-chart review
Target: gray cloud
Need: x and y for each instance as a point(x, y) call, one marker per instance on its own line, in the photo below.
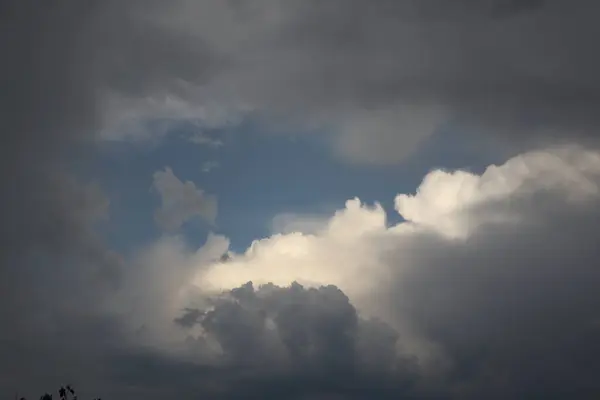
point(386, 74)
point(203, 139)
point(272, 342)
point(181, 201)
point(295, 342)
point(55, 270)
point(382, 75)
point(514, 309)
point(510, 309)
point(209, 166)
point(55, 274)
point(491, 283)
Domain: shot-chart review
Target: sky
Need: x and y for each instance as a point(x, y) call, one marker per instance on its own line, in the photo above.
point(295, 199)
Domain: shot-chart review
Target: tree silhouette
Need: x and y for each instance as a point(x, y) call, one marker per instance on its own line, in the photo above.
point(64, 393)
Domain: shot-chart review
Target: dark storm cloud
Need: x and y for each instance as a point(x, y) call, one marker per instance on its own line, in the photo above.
point(519, 74)
point(509, 8)
point(516, 310)
point(275, 342)
point(386, 74)
point(383, 74)
point(293, 343)
point(54, 269)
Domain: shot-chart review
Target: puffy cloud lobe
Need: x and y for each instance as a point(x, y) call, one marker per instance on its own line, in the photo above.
point(304, 333)
point(317, 259)
point(443, 196)
point(181, 201)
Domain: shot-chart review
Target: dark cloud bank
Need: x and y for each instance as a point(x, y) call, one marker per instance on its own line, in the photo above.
point(515, 310)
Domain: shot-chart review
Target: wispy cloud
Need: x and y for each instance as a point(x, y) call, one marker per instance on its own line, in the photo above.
point(181, 201)
point(205, 140)
point(209, 166)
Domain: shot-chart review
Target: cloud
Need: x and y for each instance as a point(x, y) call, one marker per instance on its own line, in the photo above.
point(181, 201)
point(446, 201)
point(385, 76)
point(487, 288)
point(306, 335)
point(209, 166)
point(346, 249)
point(203, 139)
point(290, 222)
point(380, 77)
point(55, 274)
point(490, 282)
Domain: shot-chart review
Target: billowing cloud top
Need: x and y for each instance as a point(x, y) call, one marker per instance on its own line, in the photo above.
point(488, 286)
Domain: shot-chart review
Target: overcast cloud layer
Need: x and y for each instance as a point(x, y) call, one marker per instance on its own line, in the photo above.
point(488, 289)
